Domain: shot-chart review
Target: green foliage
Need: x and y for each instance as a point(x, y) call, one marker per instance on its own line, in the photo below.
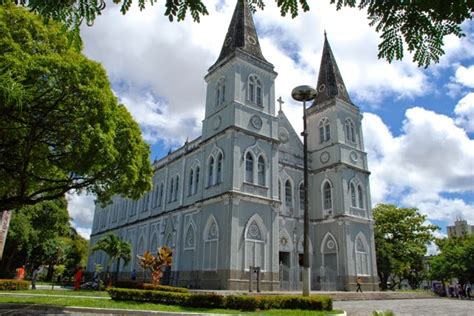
point(9, 285)
point(455, 259)
point(420, 25)
point(36, 233)
point(149, 286)
point(401, 239)
point(115, 249)
point(383, 313)
point(61, 127)
point(242, 302)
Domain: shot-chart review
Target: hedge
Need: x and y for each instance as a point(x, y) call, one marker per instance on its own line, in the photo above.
point(149, 286)
point(240, 302)
point(10, 284)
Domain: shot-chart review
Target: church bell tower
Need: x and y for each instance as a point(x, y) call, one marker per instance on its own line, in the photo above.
point(339, 181)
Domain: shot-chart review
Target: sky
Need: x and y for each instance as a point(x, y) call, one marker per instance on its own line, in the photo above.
point(418, 124)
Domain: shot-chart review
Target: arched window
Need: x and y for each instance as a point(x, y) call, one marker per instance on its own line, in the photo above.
point(191, 182)
point(279, 189)
point(190, 238)
point(324, 130)
point(329, 254)
point(327, 196)
point(219, 168)
point(362, 256)
point(210, 177)
point(154, 243)
point(170, 198)
point(353, 195)
point(361, 196)
point(175, 198)
point(350, 135)
point(255, 243)
point(211, 243)
point(249, 167)
point(261, 170)
point(160, 197)
point(255, 90)
point(301, 196)
point(196, 185)
point(288, 194)
point(220, 92)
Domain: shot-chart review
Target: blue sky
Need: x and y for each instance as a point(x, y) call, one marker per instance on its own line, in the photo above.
point(418, 123)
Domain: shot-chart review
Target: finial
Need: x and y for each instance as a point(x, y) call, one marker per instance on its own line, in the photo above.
point(325, 34)
point(280, 101)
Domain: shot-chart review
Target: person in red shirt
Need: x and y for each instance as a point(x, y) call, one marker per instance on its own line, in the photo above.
point(78, 278)
point(20, 273)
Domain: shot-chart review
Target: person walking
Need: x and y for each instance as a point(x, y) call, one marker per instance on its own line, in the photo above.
point(359, 282)
point(78, 279)
point(34, 278)
point(134, 275)
point(20, 273)
point(468, 291)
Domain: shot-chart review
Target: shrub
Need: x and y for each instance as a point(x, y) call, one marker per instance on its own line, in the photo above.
point(240, 302)
point(149, 286)
point(164, 288)
point(8, 285)
point(205, 300)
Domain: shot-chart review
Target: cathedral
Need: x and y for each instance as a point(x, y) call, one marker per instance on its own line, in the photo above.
point(233, 198)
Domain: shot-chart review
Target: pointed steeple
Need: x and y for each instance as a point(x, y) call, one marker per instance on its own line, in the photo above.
point(330, 83)
point(241, 35)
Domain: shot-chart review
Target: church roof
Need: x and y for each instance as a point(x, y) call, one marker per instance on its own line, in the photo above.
point(241, 35)
point(330, 84)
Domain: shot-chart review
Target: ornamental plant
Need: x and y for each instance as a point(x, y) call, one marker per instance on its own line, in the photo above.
point(156, 264)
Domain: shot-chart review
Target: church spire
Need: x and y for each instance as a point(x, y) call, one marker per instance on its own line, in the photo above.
point(241, 34)
point(330, 83)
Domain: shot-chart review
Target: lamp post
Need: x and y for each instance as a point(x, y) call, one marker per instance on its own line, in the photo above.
point(305, 93)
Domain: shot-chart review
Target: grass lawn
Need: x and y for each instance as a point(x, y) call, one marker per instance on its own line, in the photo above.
point(67, 298)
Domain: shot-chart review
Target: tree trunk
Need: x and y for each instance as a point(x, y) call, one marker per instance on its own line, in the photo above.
point(118, 267)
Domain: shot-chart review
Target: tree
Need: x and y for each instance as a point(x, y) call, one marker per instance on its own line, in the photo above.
point(115, 249)
point(156, 263)
point(61, 127)
point(41, 234)
point(455, 260)
point(422, 24)
point(401, 238)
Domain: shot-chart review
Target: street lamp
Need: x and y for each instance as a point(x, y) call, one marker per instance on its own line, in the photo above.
point(305, 93)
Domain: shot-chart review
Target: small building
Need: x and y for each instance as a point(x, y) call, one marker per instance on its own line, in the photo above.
point(460, 228)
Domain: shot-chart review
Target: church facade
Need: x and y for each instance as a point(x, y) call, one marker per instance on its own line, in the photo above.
point(233, 197)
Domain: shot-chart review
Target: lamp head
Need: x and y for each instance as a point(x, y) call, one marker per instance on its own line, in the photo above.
point(303, 93)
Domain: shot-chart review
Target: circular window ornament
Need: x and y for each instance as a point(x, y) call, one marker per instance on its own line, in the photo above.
point(252, 40)
point(283, 135)
point(283, 241)
point(217, 122)
point(341, 87)
point(321, 87)
point(228, 41)
point(324, 157)
point(330, 244)
point(354, 157)
point(256, 121)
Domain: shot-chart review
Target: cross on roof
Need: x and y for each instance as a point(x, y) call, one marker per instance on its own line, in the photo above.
point(280, 101)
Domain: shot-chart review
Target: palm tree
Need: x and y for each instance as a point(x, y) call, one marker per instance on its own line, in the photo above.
point(115, 248)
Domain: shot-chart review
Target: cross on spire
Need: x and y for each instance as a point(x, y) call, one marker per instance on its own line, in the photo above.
point(281, 102)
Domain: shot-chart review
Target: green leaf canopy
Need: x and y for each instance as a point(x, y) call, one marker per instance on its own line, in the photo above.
point(61, 127)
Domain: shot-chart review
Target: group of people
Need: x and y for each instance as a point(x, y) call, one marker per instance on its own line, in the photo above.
point(460, 291)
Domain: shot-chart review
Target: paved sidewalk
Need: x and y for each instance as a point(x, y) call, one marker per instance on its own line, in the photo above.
point(409, 307)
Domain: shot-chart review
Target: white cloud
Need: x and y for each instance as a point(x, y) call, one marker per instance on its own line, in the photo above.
point(431, 157)
point(157, 67)
point(464, 111)
point(81, 210)
point(465, 76)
